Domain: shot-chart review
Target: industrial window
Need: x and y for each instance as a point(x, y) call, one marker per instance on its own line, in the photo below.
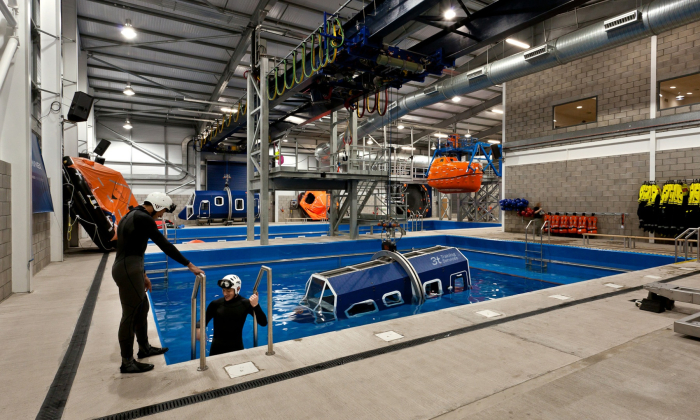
point(239, 204)
point(432, 288)
point(681, 91)
point(392, 298)
point(361, 308)
point(218, 201)
point(574, 113)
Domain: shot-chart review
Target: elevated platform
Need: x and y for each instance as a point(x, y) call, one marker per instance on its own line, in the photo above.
point(288, 178)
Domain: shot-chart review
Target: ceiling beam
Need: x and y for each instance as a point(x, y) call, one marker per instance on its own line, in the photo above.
point(153, 63)
point(493, 130)
point(151, 75)
point(157, 50)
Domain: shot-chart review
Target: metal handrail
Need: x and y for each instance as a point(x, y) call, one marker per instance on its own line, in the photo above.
point(268, 270)
point(685, 238)
point(200, 284)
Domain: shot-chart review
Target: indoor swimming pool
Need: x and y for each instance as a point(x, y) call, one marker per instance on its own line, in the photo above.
point(497, 270)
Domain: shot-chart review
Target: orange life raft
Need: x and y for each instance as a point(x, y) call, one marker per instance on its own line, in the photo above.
point(315, 204)
point(449, 175)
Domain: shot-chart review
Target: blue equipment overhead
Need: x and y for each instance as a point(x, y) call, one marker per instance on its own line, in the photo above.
point(358, 63)
point(473, 149)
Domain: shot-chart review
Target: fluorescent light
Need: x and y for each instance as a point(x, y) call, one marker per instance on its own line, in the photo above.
point(494, 142)
point(673, 87)
point(497, 111)
point(456, 99)
point(128, 91)
point(369, 142)
point(689, 93)
point(128, 125)
point(285, 140)
point(450, 14)
point(579, 107)
point(468, 135)
point(517, 43)
point(441, 135)
point(408, 148)
point(680, 97)
point(128, 30)
point(295, 120)
point(400, 127)
point(432, 148)
point(224, 109)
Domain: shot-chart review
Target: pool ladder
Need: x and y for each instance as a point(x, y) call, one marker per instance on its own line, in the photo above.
point(534, 258)
point(268, 270)
point(686, 243)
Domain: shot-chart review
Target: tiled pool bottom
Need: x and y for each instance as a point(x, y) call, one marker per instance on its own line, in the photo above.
point(498, 270)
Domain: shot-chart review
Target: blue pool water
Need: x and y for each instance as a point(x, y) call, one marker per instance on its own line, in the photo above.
point(496, 266)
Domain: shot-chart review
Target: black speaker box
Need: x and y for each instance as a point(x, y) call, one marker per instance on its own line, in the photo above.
point(496, 151)
point(102, 147)
point(100, 160)
point(84, 155)
point(80, 107)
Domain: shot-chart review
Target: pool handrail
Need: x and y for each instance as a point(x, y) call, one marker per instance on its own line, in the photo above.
point(200, 285)
point(268, 270)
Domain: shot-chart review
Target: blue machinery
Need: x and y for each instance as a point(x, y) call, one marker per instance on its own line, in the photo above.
point(473, 149)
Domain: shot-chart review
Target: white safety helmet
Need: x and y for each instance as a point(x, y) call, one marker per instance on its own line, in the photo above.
point(231, 281)
point(160, 201)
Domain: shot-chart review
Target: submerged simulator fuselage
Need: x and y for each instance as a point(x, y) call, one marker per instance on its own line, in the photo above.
point(389, 279)
point(225, 205)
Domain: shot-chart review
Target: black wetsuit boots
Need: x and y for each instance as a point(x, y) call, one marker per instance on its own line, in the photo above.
point(229, 318)
point(134, 231)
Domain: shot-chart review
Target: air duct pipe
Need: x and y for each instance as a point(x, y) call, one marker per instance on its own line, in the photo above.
point(12, 43)
point(654, 18)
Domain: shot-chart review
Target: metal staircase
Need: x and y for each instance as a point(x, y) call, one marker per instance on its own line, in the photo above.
point(534, 255)
point(383, 200)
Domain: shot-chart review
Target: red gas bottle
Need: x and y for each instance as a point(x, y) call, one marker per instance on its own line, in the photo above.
point(592, 224)
point(581, 222)
point(555, 223)
point(573, 224)
point(547, 222)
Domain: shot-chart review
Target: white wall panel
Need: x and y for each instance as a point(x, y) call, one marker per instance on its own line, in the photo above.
point(123, 169)
point(148, 170)
point(140, 157)
point(679, 139)
point(175, 153)
point(118, 151)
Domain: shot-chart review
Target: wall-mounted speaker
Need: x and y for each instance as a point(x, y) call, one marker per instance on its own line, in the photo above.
point(100, 160)
point(80, 107)
point(84, 155)
point(102, 147)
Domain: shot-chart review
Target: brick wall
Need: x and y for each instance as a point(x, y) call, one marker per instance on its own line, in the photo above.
point(620, 79)
point(41, 240)
point(678, 54)
point(5, 232)
point(673, 164)
point(600, 185)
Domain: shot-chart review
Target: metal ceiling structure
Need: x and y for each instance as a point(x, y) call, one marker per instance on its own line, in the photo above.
point(199, 49)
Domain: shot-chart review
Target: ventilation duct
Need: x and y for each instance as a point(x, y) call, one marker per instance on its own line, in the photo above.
point(656, 17)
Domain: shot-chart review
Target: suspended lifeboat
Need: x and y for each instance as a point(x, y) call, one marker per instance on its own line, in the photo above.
point(449, 175)
point(314, 204)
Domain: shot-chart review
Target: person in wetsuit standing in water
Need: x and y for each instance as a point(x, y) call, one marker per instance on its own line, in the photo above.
point(133, 233)
point(229, 314)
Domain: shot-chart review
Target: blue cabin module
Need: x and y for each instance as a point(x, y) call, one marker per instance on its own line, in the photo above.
point(212, 206)
point(389, 279)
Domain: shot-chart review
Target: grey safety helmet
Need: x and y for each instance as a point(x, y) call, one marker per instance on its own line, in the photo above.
point(231, 281)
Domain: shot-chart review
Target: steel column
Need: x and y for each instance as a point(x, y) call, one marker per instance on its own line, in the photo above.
point(250, 194)
point(352, 197)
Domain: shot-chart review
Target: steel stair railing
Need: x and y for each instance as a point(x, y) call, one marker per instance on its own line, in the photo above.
point(268, 270)
point(200, 285)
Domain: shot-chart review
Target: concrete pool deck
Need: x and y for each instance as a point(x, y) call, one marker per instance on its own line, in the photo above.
point(601, 358)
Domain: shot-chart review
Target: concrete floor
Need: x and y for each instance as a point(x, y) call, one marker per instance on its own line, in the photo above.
point(600, 359)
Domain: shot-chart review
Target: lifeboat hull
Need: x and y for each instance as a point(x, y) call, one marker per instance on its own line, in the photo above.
point(448, 175)
point(315, 204)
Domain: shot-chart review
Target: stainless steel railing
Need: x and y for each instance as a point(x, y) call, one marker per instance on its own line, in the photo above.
point(684, 238)
point(268, 270)
point(200, 285)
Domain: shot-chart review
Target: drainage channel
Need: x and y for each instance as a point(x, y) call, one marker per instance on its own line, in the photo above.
point(296, 373)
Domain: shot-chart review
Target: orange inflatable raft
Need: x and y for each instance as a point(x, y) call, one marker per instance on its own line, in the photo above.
point(315, 204)
point(449, 175)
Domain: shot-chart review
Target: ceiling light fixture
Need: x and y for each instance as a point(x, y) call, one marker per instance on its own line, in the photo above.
point(128, 125)
point(494, 142)
point(128, 30)
point(450, 14)
point(456, 99)
point(689, 93)
point(680, 97)
point(432, 148)
point(673, 87)
point(227, 110)
point(408, 148)
point(369, 142)
point(128, 91)
point(579, 107)
point(400, 127)
point(294, 120)
point(497, 111)
point(517, 43)
point(441, 135)
point(285, 140)
point(468, 135)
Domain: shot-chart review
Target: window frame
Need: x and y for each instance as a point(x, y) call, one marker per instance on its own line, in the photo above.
point(216, 201)
point(376, 308)
point(235, 204)
point(400, 302)
point(658, 92)
point(425, 291)
point(574, 101)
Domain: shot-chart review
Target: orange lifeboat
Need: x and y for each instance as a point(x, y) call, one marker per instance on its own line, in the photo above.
point(449, 175)
point(315, 204)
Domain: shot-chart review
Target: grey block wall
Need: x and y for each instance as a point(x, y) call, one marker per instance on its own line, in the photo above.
point(600, 185)
point(41, 240)
point(678, 55)
point(672, 164)
point(5, 232)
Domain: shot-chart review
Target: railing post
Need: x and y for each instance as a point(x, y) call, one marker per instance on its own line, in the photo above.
point(270, 349)
point(200, 284)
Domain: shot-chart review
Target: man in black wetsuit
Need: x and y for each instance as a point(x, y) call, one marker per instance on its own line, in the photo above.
point(229, 314)
point(133, 233)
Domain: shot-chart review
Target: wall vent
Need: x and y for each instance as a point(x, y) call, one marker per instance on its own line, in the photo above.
point(430, 90)
point(537, 52)
point(622, 20)
point(481, 71)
